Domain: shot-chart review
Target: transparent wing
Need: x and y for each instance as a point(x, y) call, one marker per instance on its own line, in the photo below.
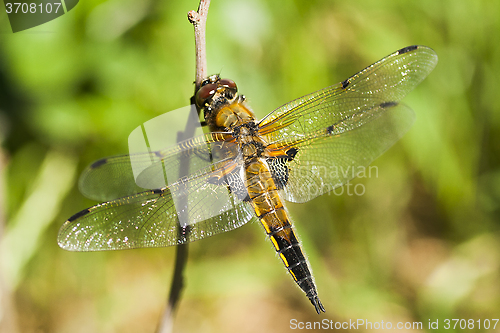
point(191, 209)
point(337, 131)
point(113, 177)
point(329, 159)
point(386, 81)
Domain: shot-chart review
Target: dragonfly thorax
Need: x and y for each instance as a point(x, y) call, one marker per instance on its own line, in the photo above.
point(248, 138)
point(227, 117)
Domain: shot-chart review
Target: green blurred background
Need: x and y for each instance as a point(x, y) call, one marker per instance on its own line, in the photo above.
point(422, 243)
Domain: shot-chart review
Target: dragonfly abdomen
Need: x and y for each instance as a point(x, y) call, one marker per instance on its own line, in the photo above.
point(269, 208)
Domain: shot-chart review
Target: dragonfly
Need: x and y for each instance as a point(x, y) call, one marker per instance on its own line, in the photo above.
point(243, 169)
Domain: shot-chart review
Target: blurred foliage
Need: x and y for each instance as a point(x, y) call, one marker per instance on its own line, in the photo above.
point(421, 244)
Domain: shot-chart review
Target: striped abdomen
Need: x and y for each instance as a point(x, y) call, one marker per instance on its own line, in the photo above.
point(274, 218)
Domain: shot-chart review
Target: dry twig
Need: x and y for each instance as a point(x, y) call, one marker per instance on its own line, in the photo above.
point(198, 19)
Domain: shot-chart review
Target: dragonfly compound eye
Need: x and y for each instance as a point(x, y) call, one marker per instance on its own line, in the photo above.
point(204, 93)
point(227, 83)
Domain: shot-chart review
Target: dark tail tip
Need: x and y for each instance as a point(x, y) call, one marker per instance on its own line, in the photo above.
point(317, 304)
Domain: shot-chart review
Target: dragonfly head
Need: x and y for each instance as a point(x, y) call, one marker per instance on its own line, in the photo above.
point(215, 92)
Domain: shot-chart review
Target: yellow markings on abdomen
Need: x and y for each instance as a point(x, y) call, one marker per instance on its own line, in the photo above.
point(269, 208)
point(280, 232)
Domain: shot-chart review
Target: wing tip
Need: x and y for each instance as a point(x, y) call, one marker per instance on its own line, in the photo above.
point(64, 243)
point(422, 48)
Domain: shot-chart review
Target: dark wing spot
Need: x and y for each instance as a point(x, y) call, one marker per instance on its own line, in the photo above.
point(158, 191)
point(386, 105)
point(78, 215)
point(98, 163)
point(291, 153)
point(329, 129)
point(345, 83)
point(408, 49)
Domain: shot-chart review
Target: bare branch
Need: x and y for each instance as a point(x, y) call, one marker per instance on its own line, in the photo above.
point(198, 19)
